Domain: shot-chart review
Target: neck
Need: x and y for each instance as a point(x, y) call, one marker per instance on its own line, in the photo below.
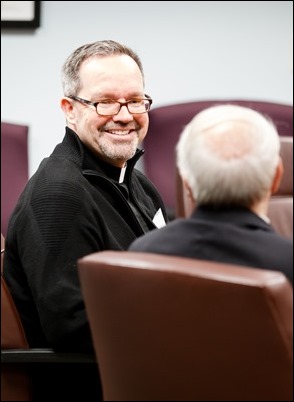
point(261, 207)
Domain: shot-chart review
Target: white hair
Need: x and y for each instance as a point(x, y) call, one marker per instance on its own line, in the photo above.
point(228, 155)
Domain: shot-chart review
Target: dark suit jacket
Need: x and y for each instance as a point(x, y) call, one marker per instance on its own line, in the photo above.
point(234, 235)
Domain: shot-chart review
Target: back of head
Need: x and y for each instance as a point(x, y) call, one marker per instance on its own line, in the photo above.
point(228, 155)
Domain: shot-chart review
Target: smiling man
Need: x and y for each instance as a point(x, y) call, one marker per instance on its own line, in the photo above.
point(85, 197)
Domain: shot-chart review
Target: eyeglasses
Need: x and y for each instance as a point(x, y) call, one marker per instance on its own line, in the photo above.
point(109, 107)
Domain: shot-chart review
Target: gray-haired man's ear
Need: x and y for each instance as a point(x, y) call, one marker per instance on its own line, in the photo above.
point(277, 177)
point(188, 198)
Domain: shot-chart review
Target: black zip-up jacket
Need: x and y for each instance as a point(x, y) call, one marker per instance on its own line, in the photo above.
point(72, 206)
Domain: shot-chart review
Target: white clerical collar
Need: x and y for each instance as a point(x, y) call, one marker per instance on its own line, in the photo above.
point(265, 218)
point(122, 173)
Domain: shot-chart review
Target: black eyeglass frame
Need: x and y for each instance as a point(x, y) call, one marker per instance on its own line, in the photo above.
point(95, 104)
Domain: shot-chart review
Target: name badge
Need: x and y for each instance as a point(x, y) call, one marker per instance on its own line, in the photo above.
point(158, 219)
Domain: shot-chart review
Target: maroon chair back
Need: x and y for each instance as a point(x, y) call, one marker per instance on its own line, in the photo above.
point(168, 328)
point(166, 124)
point(280, 209)
point(38, 374)
point(280, 213)
point(286, 152)
point(14, 168)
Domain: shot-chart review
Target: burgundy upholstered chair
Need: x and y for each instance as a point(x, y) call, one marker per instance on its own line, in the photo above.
point(166, 124)
point(14, 168)
point(15, 380)
point(168, 328)
point(29, 374)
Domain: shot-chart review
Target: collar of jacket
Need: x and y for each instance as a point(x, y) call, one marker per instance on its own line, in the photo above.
point(235, 215)
point(89, 162)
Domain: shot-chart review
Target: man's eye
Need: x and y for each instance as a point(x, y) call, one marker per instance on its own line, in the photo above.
point(136, 101)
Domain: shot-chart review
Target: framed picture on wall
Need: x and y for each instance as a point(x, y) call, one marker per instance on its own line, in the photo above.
point(20, 14)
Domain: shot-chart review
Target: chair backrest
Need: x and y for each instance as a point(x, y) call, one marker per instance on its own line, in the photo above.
point(280, 213)
point(40, 374)
point(286, 187)
point(166, 124)
point(14, 168)
point(280, 209)
point(15, 381)
point(172, 328)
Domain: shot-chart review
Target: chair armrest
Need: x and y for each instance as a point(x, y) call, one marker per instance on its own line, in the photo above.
point(24, 356)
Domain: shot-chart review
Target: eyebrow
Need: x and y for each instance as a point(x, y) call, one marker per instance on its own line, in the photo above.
point(108, 95)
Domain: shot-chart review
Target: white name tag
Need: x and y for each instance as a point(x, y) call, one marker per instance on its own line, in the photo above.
point(158, 219)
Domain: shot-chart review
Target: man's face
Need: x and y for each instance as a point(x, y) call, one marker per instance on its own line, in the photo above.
point(114, 138)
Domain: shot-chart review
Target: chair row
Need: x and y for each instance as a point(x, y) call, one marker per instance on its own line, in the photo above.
point(165, 328)
point(169, 328)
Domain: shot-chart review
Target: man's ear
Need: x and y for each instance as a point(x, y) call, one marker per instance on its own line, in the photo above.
point(67, 107)
point(188, 199)
point(188, 191)
point(277, 177)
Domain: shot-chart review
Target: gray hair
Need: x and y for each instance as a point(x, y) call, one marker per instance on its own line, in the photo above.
point(72, 65)
point(228, 155)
